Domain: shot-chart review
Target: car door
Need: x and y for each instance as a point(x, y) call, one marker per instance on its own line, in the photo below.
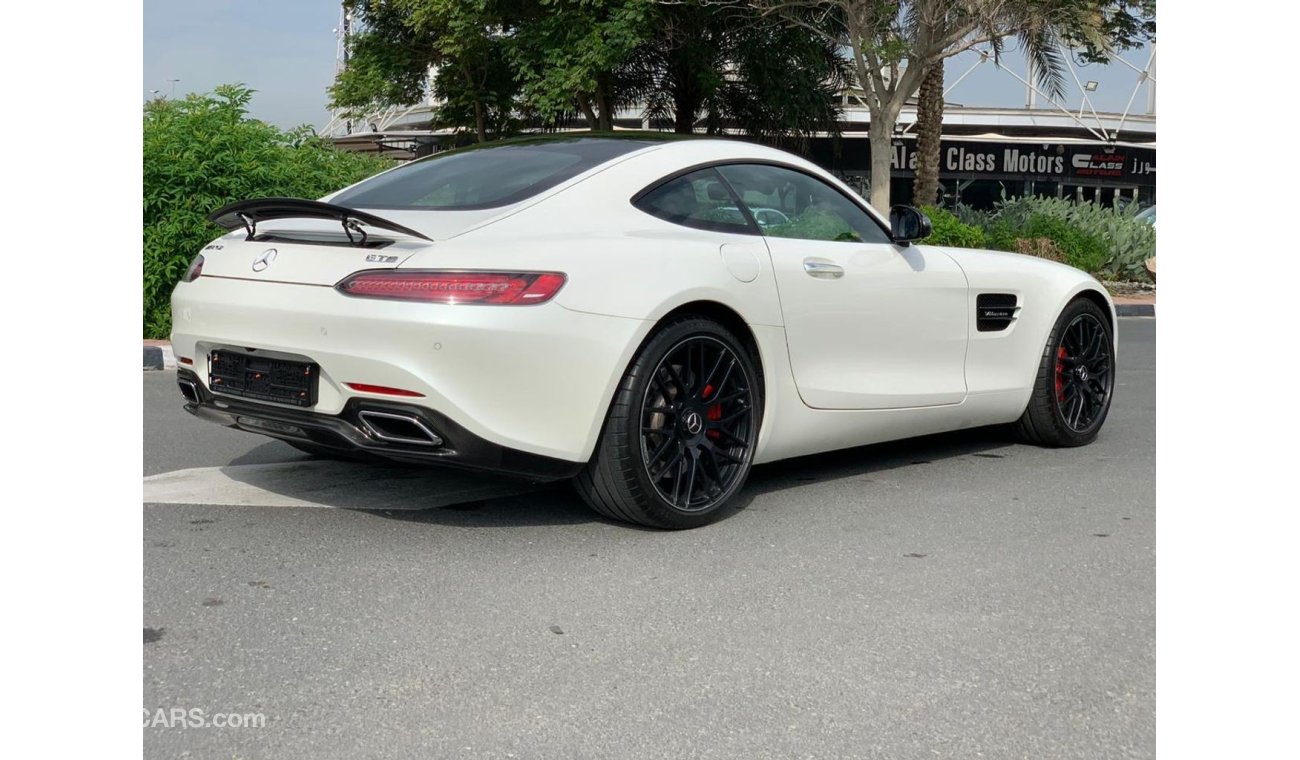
point(869, 324)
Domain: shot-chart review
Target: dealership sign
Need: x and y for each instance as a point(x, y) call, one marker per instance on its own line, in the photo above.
point(1042, 160)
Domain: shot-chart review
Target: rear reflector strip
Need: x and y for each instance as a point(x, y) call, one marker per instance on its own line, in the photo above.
point(382, 389)
point(196, 269)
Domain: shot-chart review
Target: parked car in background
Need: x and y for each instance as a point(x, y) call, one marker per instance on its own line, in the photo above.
point(1148, 215)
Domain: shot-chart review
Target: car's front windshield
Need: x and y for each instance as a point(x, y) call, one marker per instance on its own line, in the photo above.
point(487, 177)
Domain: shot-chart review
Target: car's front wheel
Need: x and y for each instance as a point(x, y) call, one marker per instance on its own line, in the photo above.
point(678, 442)
point(1075, 381)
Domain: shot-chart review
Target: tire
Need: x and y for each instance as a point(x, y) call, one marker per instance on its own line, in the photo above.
point(678, 441)
point(1075, 381)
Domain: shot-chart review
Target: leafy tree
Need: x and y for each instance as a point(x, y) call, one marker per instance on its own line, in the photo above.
point(678, 71)
point(462, 42)
point(388, 59)
point(733, 67)
point(492, 59)
point(203, 152)
point(499, 62)
point(569, 52)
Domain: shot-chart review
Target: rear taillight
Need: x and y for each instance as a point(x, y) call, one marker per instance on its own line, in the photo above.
point(196, 269)
point(501, 288)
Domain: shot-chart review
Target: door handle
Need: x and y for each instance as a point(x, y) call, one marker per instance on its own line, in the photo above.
point(822, 269)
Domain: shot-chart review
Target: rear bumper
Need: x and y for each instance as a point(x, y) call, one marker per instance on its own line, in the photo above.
point(348, 432)
point(533, 379)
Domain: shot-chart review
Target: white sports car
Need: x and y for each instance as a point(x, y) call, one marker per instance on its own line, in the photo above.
point(608, 309)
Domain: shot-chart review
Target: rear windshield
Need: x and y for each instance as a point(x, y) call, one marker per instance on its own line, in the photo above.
point(485, 177)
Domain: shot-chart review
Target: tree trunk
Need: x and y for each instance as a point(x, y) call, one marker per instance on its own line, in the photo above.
point(880, 134)
point(683, 120)
point(688, 97)
point(929, 128)
point(480, 122)
point(686, 104)
point(480, 118)
point(604, 111)
point(585, 105)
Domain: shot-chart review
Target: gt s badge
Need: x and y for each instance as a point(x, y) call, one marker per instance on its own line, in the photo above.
point(379, 258)
point(264, 260)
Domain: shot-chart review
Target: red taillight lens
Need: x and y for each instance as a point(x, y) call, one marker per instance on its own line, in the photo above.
point(365, 388)
point(196, 269)
point(501, 288)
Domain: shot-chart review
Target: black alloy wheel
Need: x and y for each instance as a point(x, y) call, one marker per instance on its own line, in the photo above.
point(679, 439)
point(1082, 372)
point(1076, 379)
point(697, 423)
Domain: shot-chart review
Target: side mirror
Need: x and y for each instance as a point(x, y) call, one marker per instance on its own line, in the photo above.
point(907, 224)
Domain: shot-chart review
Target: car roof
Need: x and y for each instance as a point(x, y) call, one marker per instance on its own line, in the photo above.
point(653, 139)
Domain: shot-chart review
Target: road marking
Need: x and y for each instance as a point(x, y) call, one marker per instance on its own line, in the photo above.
point(333, 485)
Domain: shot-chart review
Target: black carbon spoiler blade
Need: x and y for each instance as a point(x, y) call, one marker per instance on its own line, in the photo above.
point(247, 214)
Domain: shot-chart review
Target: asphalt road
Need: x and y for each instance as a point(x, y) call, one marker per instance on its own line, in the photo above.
point(958, 596)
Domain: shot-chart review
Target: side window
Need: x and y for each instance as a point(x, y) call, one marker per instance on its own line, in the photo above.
point(699, 200)
point(791, 204)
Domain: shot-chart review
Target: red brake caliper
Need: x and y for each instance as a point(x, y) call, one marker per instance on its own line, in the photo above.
point(1060, 374)
point(714, 413)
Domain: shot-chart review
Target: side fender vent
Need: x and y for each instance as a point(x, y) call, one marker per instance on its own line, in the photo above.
point(994, 311)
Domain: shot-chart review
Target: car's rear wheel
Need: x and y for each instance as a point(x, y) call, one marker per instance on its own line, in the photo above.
point(1076, 379)
point(678, 442)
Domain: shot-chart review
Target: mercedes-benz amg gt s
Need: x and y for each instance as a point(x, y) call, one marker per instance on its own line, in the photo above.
point(648, 317)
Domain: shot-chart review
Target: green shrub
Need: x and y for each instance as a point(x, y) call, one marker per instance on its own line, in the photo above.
point(949, 230)
point(972, 216)
point(203, 152)
point(1081, 249)
point(1000, 236)
point(1128, 242)
point(1043, 248)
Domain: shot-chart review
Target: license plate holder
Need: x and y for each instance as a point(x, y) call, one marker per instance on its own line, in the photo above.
point(282, 381)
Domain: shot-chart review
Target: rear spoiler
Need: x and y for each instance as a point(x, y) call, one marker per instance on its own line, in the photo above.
point(247, 214)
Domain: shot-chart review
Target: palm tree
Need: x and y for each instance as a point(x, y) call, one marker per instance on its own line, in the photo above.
point(929, 127)
point(1038, 26)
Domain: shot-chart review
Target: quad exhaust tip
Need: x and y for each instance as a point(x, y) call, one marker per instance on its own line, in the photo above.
point(189, 390)
point(398, 428)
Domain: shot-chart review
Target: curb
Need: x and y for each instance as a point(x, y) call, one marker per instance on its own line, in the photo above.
point(159, 357)
point(1135, 309)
